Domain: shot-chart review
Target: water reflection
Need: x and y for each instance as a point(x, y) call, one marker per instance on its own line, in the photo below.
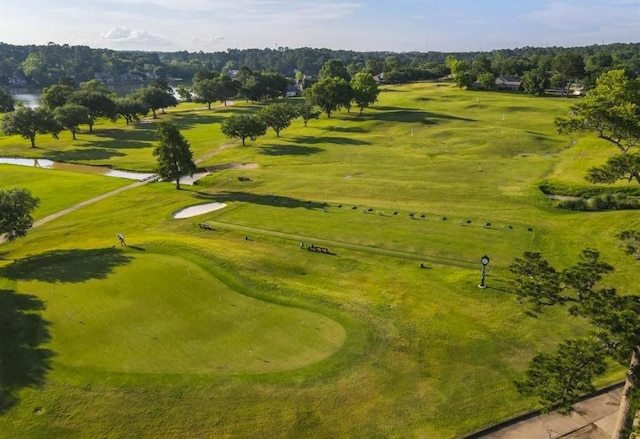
point(86, 169)
point(28, 98)
point(33, 97)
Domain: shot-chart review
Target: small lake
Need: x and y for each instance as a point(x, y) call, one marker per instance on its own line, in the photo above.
point(85, 169)
point(31, 97)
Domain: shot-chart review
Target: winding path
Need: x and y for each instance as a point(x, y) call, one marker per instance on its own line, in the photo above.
point(90, 201)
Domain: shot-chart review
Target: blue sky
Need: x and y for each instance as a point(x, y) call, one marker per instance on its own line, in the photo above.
point(389, 25)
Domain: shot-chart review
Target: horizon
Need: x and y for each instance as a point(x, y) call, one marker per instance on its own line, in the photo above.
point(356, 25)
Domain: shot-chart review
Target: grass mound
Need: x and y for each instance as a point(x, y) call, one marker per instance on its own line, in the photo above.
point(155, 313)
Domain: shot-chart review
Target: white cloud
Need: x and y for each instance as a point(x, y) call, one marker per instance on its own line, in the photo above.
point(123, 37)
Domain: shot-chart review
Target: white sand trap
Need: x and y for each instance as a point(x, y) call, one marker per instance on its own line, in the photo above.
point(190, 211)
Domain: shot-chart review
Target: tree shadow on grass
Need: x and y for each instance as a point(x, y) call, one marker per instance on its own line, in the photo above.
point(346, 129)
point(23, 363)
point(117, 143)
point(191, 120)
point(67, 265)
point(279, 150)
point(337, 140)
point(82, 154)
point(412, 116)
point(269, 200)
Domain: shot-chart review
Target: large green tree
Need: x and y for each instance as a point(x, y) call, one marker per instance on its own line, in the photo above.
point(560, 379)
point(131, 108)
point(225, 88)
point(243, 126)
point(175, 158)
point(330, 94)
point(535, 81)
point(278, 116)
point(569, 66)
point(365, 90)
point(16, 206)
point(157, 96)
point(205, 90)
point(29, 122)
point(611, 110)
point(98, 104)
point(70, 116)
point(334, 68)
point(56, 95)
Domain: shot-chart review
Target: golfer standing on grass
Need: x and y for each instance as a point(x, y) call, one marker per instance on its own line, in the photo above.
point(121, 238)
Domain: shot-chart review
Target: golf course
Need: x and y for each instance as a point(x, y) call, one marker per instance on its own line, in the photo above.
point(227, 324)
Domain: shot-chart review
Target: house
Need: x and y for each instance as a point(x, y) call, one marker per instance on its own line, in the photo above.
point(508, 83)
point(294, 90)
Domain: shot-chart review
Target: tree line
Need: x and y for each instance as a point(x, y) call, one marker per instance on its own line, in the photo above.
point(44, 65)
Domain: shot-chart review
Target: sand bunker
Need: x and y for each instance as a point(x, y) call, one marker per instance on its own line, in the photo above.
point(198, 210)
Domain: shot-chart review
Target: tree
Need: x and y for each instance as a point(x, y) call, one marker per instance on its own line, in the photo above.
point(535, 82)
point(306, 112)
point(619, 167)
point(334, 68)
point(278, 116)
point(225, 88)
point(459, 70)
point(365, 90)
point(560, 379)
point(174, 153)
point(487, 80)
point(131, 108)
point(6, 101)
point(329, 94)
point(28, 122)
point(611, 110)
point(56, 95)
point(156, 96)
point(242, 126)
point(16, 206)
point(569, 66)
point(184, 93)
point(205, 90)
point(69, 116)
point(97, 104)
point(275, 85)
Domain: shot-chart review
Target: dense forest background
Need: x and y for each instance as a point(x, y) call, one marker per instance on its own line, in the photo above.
point(41, 66)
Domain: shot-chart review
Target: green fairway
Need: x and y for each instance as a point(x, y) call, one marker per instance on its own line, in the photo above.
point(236, 331)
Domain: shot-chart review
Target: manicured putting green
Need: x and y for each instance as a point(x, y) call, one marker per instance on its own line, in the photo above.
point(163, 314)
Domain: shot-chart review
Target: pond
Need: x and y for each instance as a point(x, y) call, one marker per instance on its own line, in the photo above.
point(86, 169)
point(31, 97)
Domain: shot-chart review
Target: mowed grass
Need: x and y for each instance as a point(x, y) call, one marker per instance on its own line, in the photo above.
point(146, 341)
point(56, 189)
point(196, 325)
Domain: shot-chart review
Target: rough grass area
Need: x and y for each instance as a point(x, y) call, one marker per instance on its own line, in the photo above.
point(235, 331)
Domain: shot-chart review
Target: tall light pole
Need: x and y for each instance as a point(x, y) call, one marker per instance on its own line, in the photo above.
point(484, 261)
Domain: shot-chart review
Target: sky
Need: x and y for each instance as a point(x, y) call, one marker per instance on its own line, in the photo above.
point(360, 25)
